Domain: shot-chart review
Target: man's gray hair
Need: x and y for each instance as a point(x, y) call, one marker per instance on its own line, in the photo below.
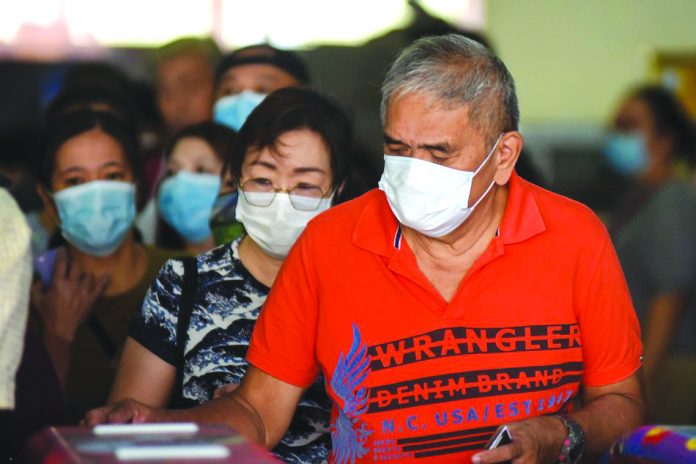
point(454, 71)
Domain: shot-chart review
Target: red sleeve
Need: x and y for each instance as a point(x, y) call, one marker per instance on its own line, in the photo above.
point(609, 328)
point(283, 342)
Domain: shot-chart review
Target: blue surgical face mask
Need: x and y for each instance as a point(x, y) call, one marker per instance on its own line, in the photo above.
point(185, 202)
point(626, 153)
point(233, 110)
point(95, 217)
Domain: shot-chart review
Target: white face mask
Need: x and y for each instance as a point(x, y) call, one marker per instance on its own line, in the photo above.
point(275, 227)
point(427, 197)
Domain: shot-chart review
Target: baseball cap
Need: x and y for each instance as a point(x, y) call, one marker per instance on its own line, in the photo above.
point(286, 60)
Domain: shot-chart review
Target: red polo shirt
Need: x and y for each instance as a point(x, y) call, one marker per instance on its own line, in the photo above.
point(542, 311)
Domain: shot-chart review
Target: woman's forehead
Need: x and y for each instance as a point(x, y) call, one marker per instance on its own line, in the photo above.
point(295, 149)
point(91, 149)
point(192, 149)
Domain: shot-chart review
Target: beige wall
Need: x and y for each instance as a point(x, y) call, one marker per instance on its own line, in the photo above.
point(573, 59)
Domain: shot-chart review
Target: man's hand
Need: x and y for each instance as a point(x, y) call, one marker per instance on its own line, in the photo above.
point(67, 303)
point(260, 409)
point(534, 441)
point(124, 411)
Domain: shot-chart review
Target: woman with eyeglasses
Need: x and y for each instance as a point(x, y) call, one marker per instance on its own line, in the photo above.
point(190, 339)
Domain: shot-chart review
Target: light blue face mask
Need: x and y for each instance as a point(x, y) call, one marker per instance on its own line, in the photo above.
point(185, 202)
point(626, 153)
point(233, 110)
point(95, 217)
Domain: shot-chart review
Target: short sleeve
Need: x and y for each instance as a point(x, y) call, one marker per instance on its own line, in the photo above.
point(284, 338)
point(609, 328)
point(154, 326)
point(670, 251)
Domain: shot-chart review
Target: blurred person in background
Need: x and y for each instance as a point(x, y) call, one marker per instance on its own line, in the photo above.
point(95, 97)
point(246, 76)
point(98, 85)
point(103, 87)
point(90, 287)
point(92, 84)
point(30, 397)
point(191, 335)
point(15, 278)
point(184, 71)
point(184, 79)
point(17, 164)
point(654, 229)
point(194, 160)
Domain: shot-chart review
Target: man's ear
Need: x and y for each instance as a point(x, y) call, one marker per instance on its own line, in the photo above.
point(49, 204)
point(509, 149)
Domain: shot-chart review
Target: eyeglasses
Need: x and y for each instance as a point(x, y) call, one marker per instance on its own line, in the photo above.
point(261, 192)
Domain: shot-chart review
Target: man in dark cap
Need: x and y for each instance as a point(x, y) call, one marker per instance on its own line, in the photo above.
point(246, 76)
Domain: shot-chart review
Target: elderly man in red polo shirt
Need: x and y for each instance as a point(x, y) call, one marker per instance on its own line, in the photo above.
point(455, 300)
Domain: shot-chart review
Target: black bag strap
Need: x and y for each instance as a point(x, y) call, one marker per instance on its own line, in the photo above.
point(188, 294)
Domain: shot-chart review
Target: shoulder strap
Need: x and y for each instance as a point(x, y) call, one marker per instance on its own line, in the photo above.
point(188, 294)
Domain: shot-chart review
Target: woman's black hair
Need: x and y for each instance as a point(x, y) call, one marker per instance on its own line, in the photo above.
point(65, 126)
point(91, 96)
point(220, 138)
point(670, 118)
point(292, 109)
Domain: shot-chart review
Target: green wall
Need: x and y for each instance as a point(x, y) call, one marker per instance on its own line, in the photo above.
point(572, 60)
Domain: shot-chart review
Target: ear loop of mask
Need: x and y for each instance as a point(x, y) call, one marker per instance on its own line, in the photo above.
point(490, 154)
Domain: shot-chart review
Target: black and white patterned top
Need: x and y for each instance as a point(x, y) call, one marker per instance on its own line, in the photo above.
point(227, 303)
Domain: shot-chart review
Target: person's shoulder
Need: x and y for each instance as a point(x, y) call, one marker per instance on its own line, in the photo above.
point(335, 229)
point(676, 192)
point(347, 212)
point(672, 210)
point(219, 260)
point(215, 256)
point(565, 215)
point(165, 265)
point(172, 261)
